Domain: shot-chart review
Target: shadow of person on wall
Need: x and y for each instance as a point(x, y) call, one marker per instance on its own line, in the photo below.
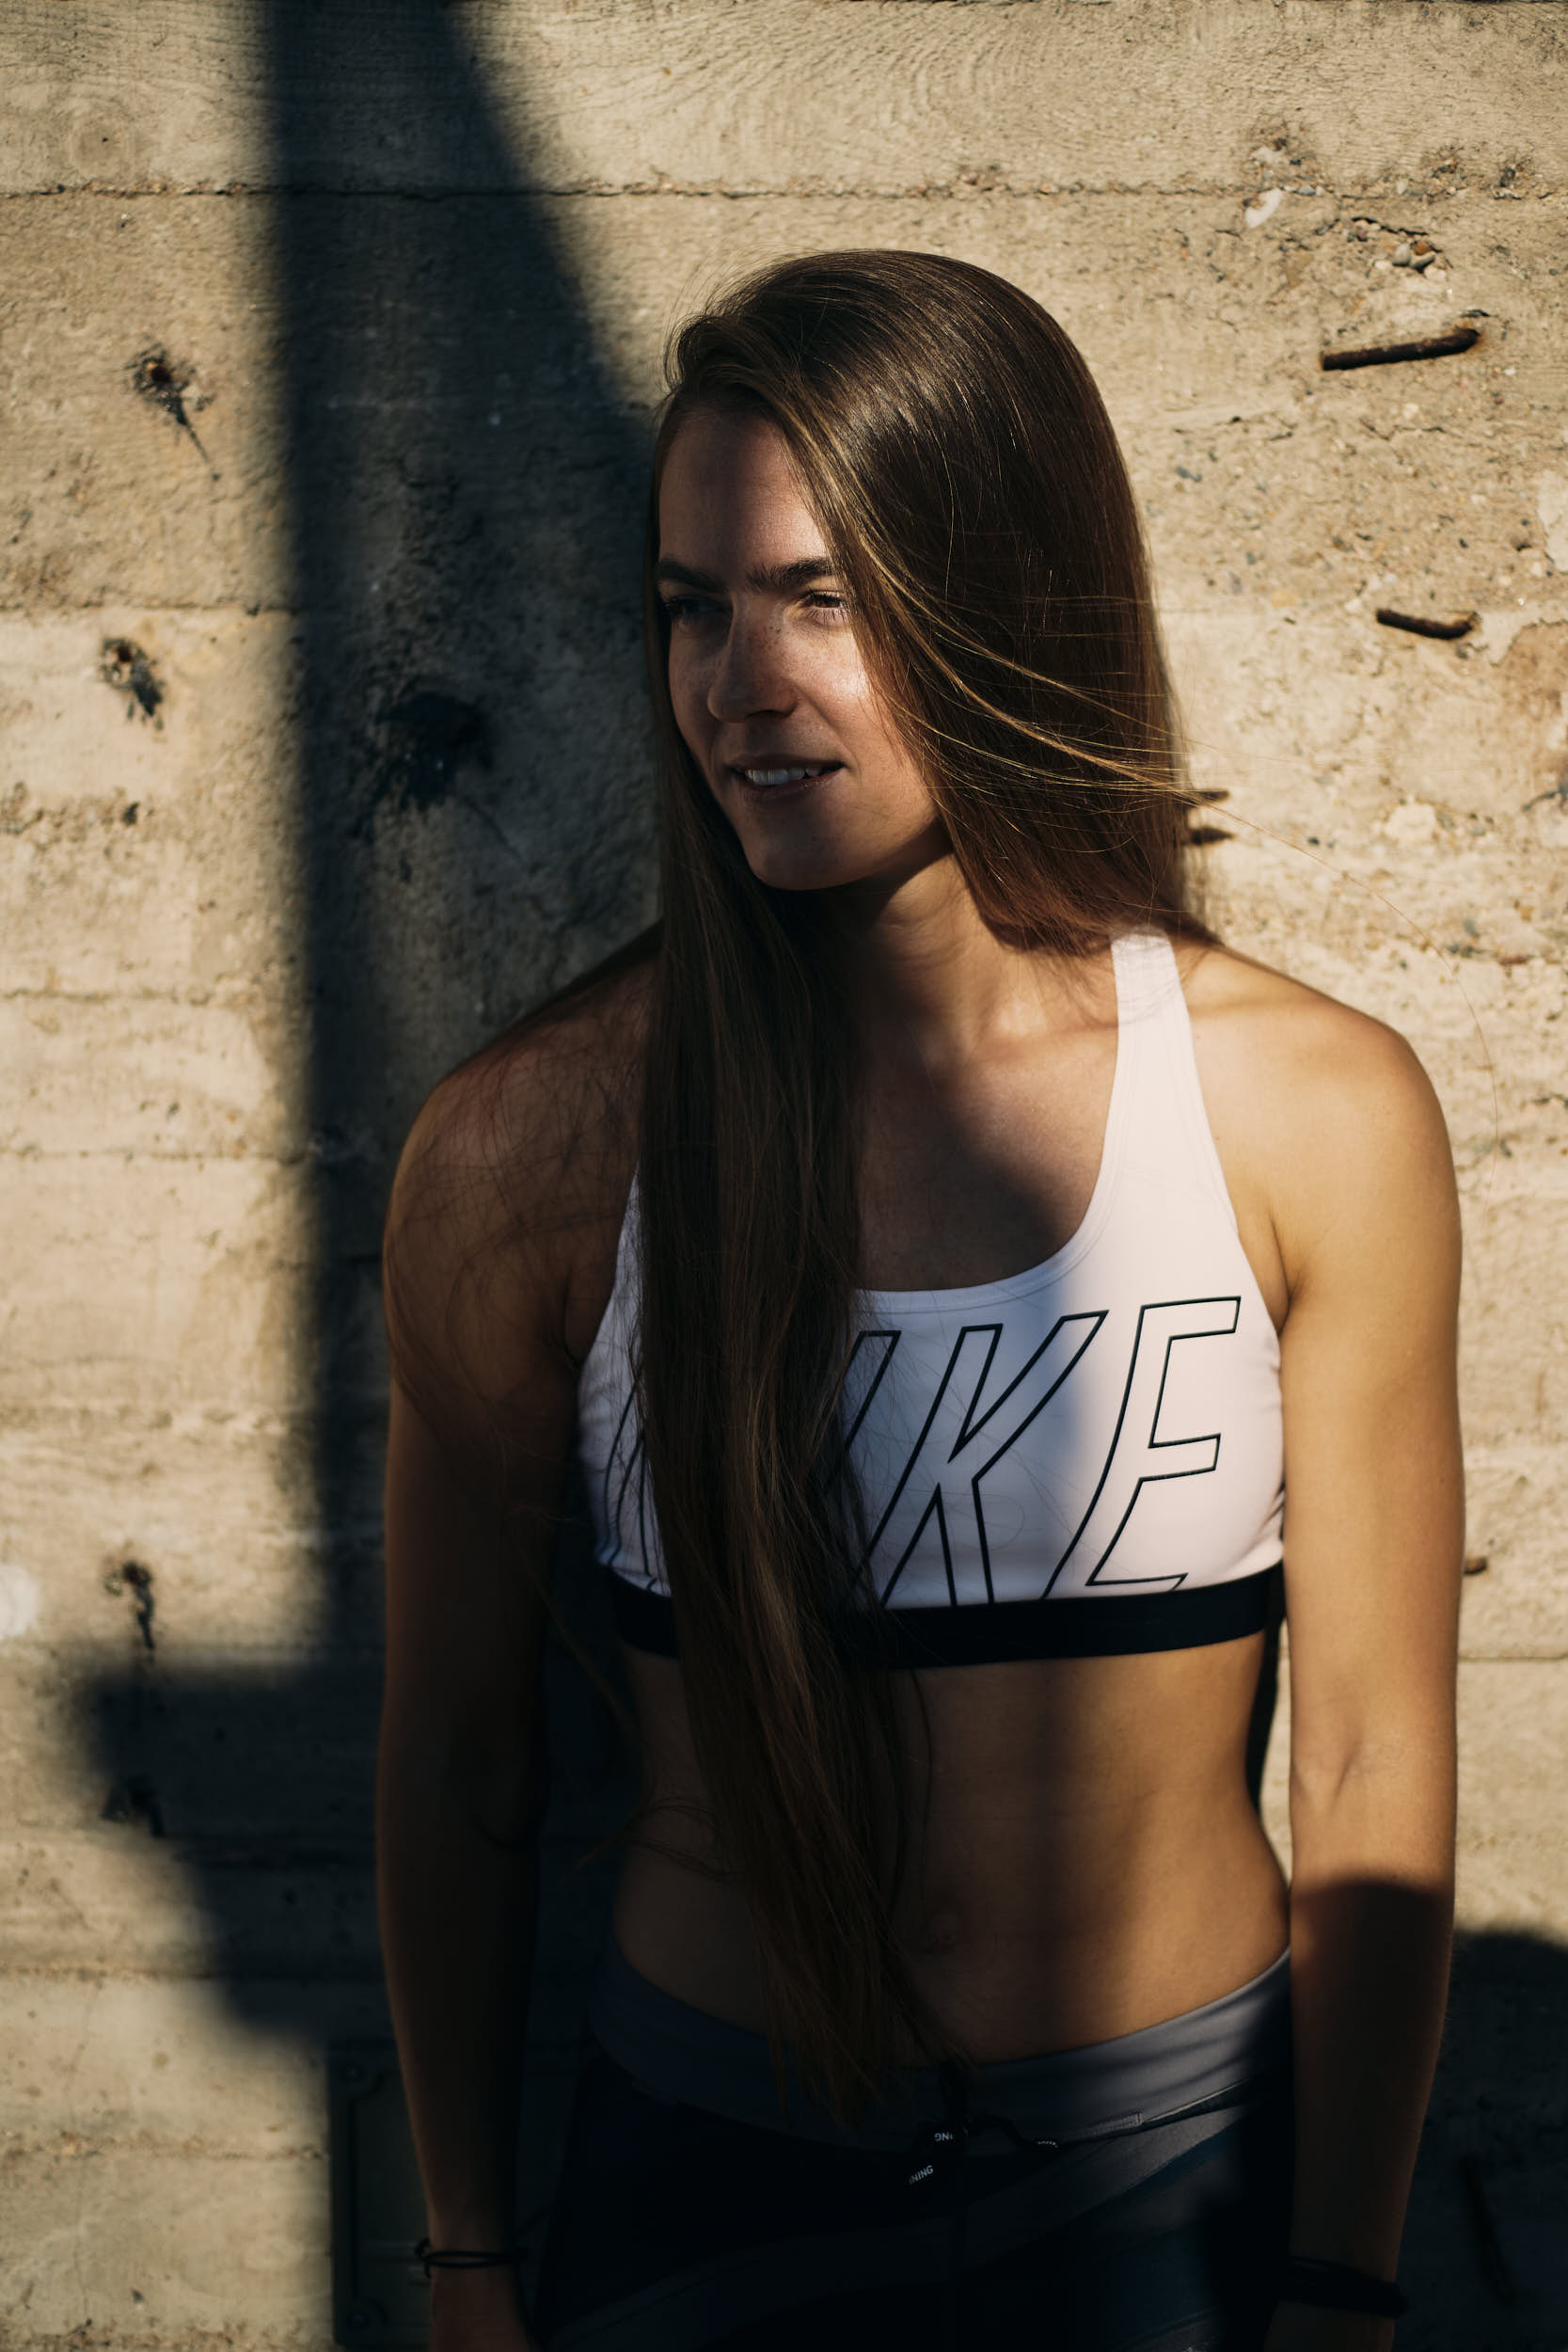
point(1485, 2259)
point(471, 823)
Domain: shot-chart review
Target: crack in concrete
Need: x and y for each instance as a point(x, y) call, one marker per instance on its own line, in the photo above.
point(79, 2219)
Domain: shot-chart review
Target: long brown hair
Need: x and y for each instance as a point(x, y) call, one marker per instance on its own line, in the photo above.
point(968, 481)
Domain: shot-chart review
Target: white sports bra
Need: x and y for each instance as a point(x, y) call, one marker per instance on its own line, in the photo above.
point(1082, 1459)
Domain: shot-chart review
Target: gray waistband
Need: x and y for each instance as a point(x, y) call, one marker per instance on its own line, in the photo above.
point(680, 2052)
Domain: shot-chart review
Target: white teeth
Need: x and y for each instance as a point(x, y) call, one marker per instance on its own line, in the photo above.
point(765, 778)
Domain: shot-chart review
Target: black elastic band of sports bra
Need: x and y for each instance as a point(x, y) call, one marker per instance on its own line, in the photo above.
point(644, 1619)
point(1000, 1632)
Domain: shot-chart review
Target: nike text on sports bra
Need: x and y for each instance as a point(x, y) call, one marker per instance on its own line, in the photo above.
point(1080, 1460)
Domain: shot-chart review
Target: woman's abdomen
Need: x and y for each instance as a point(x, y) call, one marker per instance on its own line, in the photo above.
point(1084, 1859)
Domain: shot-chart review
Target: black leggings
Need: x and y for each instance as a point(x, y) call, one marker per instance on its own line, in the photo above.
point(676, 2227)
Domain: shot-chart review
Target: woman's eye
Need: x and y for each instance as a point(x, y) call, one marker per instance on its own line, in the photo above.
point(684, 610)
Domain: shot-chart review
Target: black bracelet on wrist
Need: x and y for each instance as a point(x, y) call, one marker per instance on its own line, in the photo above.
point(1340, 2287)
point(461, 2257)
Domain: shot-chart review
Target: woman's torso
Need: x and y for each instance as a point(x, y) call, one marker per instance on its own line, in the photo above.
point(1087, 1860)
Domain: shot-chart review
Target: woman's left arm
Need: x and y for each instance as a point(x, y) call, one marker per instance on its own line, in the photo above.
point(1368, 1227)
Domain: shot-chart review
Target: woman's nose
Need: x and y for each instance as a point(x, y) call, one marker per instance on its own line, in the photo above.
point(750, 674)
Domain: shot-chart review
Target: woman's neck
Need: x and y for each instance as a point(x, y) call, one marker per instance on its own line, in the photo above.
point(930, 984)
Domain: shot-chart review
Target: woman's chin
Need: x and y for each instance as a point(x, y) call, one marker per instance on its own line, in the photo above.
point(795, 873)
point(798, 869)
point(801, 864)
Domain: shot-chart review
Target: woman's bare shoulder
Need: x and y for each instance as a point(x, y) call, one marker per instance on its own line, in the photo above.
point(553, 1083)
point(1278, 1023)
point(1328, 1107)
point(513, 1182)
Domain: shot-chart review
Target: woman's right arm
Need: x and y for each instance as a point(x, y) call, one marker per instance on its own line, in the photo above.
point(476, 1317)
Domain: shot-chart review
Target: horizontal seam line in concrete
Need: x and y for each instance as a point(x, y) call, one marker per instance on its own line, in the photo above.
point(122, 1151)
point(1514, 1658)
point(1243, 191)
point(312, 1976)
point(72, 2146)
point(31, 607)
point(1329, 606)
point(119, 996)
point(47, 1972)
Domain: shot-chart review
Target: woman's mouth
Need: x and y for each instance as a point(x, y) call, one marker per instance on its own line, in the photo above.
point(776, 779)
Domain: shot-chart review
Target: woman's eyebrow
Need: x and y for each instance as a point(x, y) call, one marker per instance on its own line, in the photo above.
point(780, 577)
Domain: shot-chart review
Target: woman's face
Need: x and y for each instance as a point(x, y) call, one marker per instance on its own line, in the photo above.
point(768, 685)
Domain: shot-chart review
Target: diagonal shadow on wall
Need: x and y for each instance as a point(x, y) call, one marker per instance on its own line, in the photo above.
point(472, 825)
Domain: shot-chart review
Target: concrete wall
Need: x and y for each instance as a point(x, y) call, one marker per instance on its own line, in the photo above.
point(329, 336)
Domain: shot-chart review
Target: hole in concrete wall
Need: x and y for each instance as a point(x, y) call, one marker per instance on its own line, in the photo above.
point(430, 736)
point(123, 665)
point(157, 378)
point(130, 1577)
point(136, 1800)
point(168, 385)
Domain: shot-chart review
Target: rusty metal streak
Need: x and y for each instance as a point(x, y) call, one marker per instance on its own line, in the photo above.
point(1419, 625)
point(1384, 354)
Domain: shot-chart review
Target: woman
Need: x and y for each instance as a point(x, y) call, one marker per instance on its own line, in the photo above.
point(949, 1258)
